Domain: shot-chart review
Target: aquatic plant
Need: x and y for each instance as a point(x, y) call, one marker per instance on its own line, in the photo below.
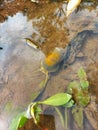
point(80, 98)
point(79, 89)
point(77, 97)
point(34, 110)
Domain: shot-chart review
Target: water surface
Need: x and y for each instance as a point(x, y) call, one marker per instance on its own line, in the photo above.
point(47, 24)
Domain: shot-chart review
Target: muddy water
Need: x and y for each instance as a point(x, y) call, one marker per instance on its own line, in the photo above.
point(47, 24)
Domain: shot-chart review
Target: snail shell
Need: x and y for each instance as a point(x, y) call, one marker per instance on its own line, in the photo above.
point(52, 62)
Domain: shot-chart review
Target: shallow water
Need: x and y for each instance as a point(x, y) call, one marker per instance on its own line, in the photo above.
point(48, 25)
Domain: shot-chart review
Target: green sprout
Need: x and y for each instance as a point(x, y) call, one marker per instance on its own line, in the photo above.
point(34, 110)
point(56, 100)
point(80, 91)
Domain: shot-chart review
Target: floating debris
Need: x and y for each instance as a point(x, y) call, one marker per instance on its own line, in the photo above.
point(72, 5)
point(32, 43)
point(35, 1)
point(40, 1)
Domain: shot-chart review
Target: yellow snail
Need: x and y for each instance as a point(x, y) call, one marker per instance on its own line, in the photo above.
point(52, 62)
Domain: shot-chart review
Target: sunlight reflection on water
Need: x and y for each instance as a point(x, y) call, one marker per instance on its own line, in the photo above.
point(17, 59)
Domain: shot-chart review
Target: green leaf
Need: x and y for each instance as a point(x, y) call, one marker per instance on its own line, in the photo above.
point(22, 121)
point(38, 112)
point(83, 98)
point(69, 104)
point(84, 84)
point(8, 107)
point(35, 112)
point(57, 100)
point(73, 85)
point(82, 74)
point(18, 121)
point(42, 84)
point(78, 116)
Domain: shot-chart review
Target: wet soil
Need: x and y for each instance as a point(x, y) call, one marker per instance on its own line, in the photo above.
point(44, 119)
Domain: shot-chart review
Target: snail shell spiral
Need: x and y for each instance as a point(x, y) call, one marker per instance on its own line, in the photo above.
point(52, 62)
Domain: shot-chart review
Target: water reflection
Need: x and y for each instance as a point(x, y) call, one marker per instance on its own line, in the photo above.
point(17, 64)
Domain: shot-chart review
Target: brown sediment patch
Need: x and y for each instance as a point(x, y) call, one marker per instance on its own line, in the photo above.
point(47, 123)
point(92, 77)
point(53, 37)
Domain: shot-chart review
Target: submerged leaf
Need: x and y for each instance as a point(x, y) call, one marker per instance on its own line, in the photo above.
point(84, 84)
point(34, 95)
point(42, 84)
point(79, 90)
point(60, 115)
point(69, 104)
point(57, 100)
point(82, 74)
point(78, 116)
point(83, 98)
point(73, 86)
point(8, 107)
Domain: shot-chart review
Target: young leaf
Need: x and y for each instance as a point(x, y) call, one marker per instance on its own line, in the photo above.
point(22, 121)
point(84, 84)
point(83, 98)
point(69, 104)
point(73, 85)
point(57, 100)
point(82, 74)
point(35, 111)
